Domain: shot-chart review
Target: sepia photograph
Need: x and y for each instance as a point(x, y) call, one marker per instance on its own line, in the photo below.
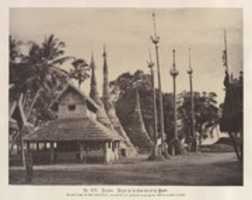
point(125, 96)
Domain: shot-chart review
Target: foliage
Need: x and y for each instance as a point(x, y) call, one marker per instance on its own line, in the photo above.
point(232, 112)
point(37, 75)
point(80, 71)
point(232, 115)
point(125, 87)
point(205, 109)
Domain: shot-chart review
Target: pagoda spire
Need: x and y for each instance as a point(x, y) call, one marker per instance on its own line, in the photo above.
point(105, 78)
point(111, 112)
point(225, 53)
point(93, 83)
point(144, 141)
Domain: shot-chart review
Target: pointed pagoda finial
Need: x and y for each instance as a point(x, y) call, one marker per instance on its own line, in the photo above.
point(105, 65)
point(174, 72)
point(225, 38)
point(105, 78)
point(190, 64)
point(93, 83)
point(92, 62)
point(154, 23)
point(225, 53)
point(155, 38)
point(190, 70)
point(104, 51)
point(174, 58)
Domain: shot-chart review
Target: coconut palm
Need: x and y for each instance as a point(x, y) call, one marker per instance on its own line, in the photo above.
point(37, 74)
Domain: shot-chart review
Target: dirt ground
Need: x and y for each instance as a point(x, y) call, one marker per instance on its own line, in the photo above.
point(194, 169)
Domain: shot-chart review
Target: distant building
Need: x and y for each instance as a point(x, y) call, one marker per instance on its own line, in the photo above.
point(75, 135)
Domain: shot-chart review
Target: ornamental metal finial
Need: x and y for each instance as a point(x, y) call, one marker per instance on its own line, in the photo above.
point(190, 70)
point(155, 38)
point(174, 72)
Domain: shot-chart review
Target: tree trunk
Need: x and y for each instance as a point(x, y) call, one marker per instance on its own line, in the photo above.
point(18, 135)
point(28, 164)
point(233, 139)
point(241, 145)
point(79, 85)
point(156, 153)
point(34, 101)
point(198, 146)
point(194, 146)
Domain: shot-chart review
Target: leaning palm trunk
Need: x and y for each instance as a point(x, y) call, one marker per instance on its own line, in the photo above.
point(34, 101)
point(15, 138)
point(22, 130)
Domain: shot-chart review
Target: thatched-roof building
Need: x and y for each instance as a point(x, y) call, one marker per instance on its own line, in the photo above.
point(75, 134)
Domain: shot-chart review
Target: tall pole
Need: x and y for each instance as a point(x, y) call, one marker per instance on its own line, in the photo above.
point(225, 56)
point(155, 40)
point(190, 72)
point(174, 73)
point(225, 53)
point(150, 66)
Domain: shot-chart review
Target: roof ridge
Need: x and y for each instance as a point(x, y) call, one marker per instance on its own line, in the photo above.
point(77, 90)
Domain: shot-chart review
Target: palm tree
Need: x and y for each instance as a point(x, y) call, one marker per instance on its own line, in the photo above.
point(80, 72)
point(37, 73)
point(44, 60)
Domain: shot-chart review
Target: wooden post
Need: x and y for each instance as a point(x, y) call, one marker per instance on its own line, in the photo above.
point(52, 153)
point(106, 157)
point(86, 150)
point(28, 164)
point(37, 146)
point(82, 151)
point(116, 150)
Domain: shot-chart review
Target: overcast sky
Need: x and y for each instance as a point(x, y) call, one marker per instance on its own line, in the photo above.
point(126, 33)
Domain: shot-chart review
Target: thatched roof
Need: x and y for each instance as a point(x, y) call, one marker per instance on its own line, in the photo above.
point(90, 102)
point(73, 129)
